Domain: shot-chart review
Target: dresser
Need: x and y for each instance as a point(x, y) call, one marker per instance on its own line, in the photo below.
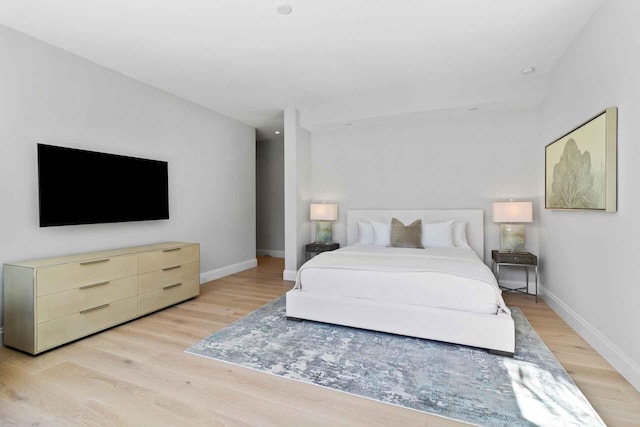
point(52, 301)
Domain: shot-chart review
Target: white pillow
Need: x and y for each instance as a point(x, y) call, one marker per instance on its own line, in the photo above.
point(460, 235)
point(365, 233)
point(381, 233)
point(438, 235)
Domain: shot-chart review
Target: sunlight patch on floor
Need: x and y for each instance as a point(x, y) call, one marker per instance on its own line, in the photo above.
point(543, 398)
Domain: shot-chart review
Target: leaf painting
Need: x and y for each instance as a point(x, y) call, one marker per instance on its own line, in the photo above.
point(580, 166)
point(572, 186)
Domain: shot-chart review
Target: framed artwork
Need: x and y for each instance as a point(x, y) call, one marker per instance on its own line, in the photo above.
point(581, 167)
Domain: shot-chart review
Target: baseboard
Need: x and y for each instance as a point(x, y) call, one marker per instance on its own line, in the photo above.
point(289, 275)
point(228, 270)
point(624, 364)
point(270, 252)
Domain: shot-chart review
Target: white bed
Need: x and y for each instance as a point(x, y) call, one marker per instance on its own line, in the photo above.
point(444, 294)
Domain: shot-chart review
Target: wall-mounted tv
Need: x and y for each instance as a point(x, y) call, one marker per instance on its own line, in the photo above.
point(87, 187)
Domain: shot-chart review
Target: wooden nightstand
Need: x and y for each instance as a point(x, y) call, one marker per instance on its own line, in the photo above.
point(519, 259)
point(314, 249)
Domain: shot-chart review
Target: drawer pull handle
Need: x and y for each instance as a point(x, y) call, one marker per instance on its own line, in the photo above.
point(97, 261)
point(171, 268)
point(172, 286)
point(171, 250)
point(94, 308)
point(516, 259)
point(94, 285)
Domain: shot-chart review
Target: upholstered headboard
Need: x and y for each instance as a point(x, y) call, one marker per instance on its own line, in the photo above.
point(473, 217)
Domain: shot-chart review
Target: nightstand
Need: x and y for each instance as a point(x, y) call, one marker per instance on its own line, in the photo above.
point(519, 259)
point(313, 249)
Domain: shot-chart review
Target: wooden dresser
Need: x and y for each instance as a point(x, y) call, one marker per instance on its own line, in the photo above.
point(49, 302)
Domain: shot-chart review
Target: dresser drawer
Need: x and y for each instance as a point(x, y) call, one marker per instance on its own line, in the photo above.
point(69, 276)
point(157, 260)
point(59, 331)
point(60, 304)
point(517, 258)
point(158, 279)
point(169, 295)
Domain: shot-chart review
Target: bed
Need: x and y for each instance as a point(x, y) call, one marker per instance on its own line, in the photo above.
point(444, 294)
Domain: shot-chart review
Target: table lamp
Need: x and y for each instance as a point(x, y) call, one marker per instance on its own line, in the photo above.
point(508, 213)
point(323, 214)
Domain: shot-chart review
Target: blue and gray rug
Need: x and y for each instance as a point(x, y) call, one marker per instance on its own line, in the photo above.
point(448, 380)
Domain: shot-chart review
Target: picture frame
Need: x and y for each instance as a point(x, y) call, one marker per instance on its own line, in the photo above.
point(581, 166)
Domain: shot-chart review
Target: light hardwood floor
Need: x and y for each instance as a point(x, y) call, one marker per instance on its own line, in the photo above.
point(138, 374)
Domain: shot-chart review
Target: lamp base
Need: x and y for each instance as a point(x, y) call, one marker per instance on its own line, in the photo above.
point(512, 238)
point(323, 232)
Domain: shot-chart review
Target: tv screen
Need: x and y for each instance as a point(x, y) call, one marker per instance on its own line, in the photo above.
point(87, 187)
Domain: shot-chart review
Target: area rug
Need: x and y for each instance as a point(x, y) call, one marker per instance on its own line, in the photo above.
point(448, 380)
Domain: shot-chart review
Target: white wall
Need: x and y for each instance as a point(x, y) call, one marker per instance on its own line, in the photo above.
point(54, 97)
point(455, 161)
point(591, 258)
point(304, 193)
point(270, 196)
point(297, 191)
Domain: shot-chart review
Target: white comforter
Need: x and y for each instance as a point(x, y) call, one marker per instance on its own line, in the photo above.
point(452, 278)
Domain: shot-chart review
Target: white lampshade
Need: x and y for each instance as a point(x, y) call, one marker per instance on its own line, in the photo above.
point(323, 212)
point(512, 212)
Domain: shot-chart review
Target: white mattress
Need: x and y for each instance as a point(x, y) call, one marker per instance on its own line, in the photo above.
point(451, 278)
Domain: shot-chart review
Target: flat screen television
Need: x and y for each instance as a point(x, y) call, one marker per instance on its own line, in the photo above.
point(87, 187)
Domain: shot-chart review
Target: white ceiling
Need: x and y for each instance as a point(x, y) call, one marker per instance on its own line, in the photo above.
point(337, 61)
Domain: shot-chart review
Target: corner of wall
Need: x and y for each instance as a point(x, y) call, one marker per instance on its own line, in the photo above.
point(275, 253)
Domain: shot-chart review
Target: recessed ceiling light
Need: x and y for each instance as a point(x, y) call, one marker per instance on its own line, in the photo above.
point(528, 70)
point(284, 9)
point(277, 132)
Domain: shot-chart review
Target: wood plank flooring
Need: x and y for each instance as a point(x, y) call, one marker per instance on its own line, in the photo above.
point(137, 374)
